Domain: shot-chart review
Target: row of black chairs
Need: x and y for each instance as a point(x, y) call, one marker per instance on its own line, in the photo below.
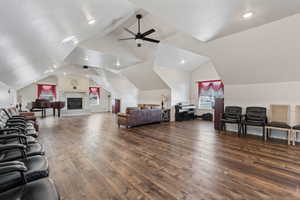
point(24, 168)
point(254, 116)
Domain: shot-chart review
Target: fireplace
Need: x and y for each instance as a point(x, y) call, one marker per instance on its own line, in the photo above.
point(74, 103)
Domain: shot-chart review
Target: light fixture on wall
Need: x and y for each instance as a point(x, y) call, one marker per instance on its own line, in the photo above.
point(86, 59)
point(248, 15)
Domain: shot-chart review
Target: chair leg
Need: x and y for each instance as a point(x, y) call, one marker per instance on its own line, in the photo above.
point(239, 129)
point(289, 137)
point(264, 133)
point(245, 130)
point(295, 138)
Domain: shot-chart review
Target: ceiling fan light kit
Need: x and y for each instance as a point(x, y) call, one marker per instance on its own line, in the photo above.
point(140, 37)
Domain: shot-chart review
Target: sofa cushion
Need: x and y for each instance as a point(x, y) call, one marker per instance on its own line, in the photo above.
point(131, 109)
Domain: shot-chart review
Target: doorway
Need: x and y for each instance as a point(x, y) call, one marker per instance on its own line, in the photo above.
point(116, 108)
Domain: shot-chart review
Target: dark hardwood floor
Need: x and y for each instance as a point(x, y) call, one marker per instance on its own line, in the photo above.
point(91, 158)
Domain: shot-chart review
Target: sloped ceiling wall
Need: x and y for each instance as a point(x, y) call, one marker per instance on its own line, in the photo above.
point(264, 54)
point(178, 81)
point(122, 89)
point(144, 77)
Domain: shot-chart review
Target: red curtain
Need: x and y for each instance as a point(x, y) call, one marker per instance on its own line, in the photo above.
point(206, 85)
point(95, 91)
point(46, 88)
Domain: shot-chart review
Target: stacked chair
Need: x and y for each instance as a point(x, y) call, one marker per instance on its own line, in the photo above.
point(279, 119)
point(24, 169)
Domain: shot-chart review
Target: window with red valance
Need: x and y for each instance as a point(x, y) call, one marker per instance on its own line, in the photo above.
point(208, 92)
point(46, 91)
point(94, 95)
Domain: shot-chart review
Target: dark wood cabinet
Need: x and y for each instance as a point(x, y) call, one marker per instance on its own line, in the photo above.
point(116, 107)
point(219, 110)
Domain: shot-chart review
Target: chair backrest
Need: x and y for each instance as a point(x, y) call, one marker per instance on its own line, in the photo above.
point(297, 114)
point(3, 118)
point(233, 112)
point(256, 113)
point(279, 113)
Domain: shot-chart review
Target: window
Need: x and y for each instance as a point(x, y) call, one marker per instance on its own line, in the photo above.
point(94, 96)
point(208, 92)
point(46, 92)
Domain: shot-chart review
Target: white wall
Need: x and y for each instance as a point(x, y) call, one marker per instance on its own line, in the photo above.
point(264, 95)
point(122, 89)
point(178, 81)
point(104, 104)
point(29, 94)
point(154, 97)
point(204, 72)
point(7, 96)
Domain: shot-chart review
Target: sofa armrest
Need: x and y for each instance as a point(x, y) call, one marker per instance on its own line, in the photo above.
point(123, 115)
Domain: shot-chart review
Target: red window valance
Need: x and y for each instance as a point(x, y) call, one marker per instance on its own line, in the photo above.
point(95, 91)
point(214, 84)
point(46, 88)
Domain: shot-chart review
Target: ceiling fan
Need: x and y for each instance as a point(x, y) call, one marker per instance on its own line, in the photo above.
point(140, 37)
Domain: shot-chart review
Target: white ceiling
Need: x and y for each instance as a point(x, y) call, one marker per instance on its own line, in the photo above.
point(207, 20)
point(173, 57)
point(264, 54)
point(32, 31)
point(81, 57)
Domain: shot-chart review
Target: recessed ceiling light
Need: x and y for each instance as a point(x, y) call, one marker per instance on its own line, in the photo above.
point(183, 61)
point(68, 39)
point(248, 15)
point(54, 66)
point(118, 63)
point(75, 41)
point(86, 59)
point(91, 21)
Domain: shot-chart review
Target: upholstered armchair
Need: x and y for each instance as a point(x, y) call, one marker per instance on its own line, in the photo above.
point(255, 116)
point(232, 115)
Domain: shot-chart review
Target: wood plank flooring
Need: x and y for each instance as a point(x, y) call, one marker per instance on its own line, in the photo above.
point(91, 158)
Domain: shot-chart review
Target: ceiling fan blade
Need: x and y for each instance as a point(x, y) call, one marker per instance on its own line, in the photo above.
point(129, 31)
point(151, 40)
point(133, 38)
point(148, 32)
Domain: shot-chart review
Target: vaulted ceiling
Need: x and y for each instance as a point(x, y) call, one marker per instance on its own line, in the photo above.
point(37, 37)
